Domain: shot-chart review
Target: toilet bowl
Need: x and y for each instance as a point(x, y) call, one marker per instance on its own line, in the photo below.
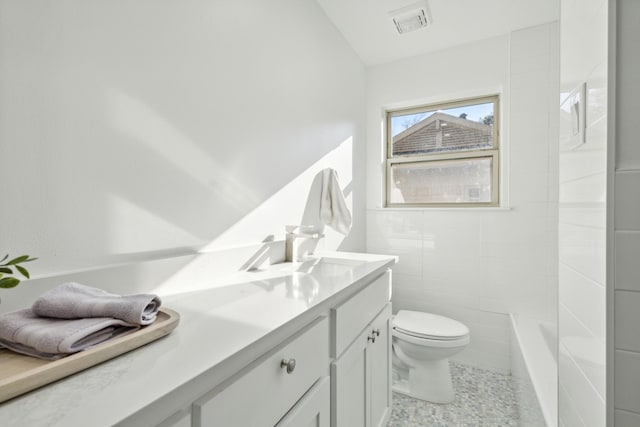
point(422, 345)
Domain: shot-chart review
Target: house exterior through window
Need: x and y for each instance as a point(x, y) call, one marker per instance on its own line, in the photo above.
point(444, 155)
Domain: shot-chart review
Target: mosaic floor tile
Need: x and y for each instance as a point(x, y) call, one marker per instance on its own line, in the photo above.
point(483, 399)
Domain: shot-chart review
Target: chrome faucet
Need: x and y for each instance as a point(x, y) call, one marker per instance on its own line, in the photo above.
point(294, 249)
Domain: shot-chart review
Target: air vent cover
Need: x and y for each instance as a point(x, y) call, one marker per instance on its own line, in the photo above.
point(411, 18)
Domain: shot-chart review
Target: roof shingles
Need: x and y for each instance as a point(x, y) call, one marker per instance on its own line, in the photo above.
point(442, 132)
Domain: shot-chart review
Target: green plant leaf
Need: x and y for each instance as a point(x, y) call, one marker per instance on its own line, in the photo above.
point(23, 271)
point(18, 260)
point(9, 282)
point(5, 257)
point(30, 259)
point(5, 270)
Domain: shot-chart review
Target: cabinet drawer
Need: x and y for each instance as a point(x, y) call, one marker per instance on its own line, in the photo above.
point(266, 391)
point(353, 315)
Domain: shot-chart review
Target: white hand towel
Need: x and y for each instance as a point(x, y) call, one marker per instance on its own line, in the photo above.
point(333, 208)
point(24, 332)
point(76, 301)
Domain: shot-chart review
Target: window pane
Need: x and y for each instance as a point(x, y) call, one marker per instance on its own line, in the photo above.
point(460, 128)
point(446, 181)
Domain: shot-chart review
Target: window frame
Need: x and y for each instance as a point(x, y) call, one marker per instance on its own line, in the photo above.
point(493, 152)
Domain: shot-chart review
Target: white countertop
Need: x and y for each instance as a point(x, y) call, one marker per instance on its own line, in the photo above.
point(225, 324)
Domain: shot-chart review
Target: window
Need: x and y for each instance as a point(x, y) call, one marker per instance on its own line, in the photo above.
point(444, 155)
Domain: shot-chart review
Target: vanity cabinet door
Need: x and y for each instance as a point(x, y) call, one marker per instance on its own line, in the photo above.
point(361, 377)
point(349, 392)
point(313, 409)
point(380, 361)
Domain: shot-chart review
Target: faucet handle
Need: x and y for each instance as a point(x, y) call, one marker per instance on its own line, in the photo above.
point(299, 228)
point(305, 231)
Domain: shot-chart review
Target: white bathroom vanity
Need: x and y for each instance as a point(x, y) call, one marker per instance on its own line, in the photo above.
point(291, 344)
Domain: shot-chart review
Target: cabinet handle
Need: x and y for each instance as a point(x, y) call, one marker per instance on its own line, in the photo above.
point(289, 364)
point(371, 338)
point(377, 332)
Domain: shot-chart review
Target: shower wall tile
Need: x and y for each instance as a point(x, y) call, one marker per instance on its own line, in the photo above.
point(597, 99)
point(626, 419)
point(591, 215)
point(626, 221)
point(627, 199)
point(582, 230)
point(586, 189)
point(584, 396)
point(588, 307)
point(586, 351)
point(568, 412)
point(576, 164)
point(627, 71)
point(626, 265)
point(627, 320)
point(627, 381)
point(583, 249)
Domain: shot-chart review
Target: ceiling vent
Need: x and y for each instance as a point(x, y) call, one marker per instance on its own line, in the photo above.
point(412, 17)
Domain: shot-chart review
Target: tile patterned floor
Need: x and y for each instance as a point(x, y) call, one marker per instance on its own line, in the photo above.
point(483, 399)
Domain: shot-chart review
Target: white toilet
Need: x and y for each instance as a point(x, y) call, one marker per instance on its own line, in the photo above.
point(422, 345)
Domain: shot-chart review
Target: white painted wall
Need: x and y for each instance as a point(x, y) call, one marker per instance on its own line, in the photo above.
point(624, 225)
point(137, 130)
point(477, 265)
point(582, 225)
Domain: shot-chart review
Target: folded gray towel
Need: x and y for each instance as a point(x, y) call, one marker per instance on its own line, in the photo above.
point(24, 332)
point(76, 301)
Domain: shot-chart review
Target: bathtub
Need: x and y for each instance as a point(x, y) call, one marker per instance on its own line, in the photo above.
point(534, 367)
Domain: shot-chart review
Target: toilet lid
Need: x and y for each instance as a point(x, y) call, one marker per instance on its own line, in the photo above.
point(427, 325)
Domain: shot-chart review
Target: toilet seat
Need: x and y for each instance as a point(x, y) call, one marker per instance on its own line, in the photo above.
point(427, 326)
point(434, 343)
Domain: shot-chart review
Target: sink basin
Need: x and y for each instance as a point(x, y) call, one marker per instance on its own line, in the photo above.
point(320, 267)
point(328, 266)
point(302, 280)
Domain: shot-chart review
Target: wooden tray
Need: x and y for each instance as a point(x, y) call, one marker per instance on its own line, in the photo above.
point(20, 374)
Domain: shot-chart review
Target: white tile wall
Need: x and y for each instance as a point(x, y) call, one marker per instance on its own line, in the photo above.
point(627, 199)
point(627, 320)
point(568, 413)
point(626, 265)
point(627, 71)
point(476, 266)
point(626, 419)
point(585, 350)
point(625, 227)
point(627, 380)
point(583, 249)
point(589, 307)
point(580, 391)
point(582, 218)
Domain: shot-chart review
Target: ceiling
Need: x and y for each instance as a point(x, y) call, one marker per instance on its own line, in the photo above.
point(369, 30)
